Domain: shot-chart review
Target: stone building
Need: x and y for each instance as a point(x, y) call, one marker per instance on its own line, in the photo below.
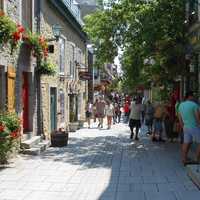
point(17, 91)
point(63, 96)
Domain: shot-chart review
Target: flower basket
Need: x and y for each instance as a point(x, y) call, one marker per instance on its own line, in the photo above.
point(9, 133)
point(10, 32)
point(47, 68)
point(37, 44)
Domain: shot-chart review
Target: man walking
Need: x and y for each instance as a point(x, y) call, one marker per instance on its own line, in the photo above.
point(188, 113)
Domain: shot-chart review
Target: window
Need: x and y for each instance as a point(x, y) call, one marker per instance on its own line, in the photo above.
point(72, 70)
point(27, 14)
point(62, 106)
point(62, 55)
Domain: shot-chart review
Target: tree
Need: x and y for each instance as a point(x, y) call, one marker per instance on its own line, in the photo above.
point(145, 30)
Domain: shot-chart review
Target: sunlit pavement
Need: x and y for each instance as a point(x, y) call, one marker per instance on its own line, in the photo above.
point(100, 164)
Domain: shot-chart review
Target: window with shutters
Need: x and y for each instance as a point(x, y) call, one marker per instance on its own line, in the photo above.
point(62, 55)
point(62, 106)
point(27, 14)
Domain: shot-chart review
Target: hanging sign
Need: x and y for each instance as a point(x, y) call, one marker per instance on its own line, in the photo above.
point(85, 76)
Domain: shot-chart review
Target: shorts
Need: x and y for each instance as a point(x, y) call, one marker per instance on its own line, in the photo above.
point(157, 125)
point(191, 135)
point(88, 114)
point(134, 123)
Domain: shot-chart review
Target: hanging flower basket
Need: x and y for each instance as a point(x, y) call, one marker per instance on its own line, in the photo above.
point(9, 133)
point(37, 44)
point(47, 68)
point(10, 32)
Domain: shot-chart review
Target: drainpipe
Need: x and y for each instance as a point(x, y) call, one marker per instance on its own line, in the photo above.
point(38, 76)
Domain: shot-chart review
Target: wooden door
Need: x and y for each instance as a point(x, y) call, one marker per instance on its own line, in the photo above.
point(25, 100)
point(11, 75)
point(53, 109)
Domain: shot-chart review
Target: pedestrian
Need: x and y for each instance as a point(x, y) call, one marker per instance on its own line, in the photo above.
point(109, 111)
point(126, 111)
point(189, 117)
point(100, 107)
point(142, 112)
point(134, 118)
point(88, 112)
point(149, 113)
point(168, 122)
point(95, 110)
point(158, 124)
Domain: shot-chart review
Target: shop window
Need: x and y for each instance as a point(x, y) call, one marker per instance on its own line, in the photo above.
point(62, 55)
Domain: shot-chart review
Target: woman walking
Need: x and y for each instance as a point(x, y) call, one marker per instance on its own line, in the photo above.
point(134, 121)
point(88, 112)
point(109, 110)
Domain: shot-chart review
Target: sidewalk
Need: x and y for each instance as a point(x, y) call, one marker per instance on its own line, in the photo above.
point(100, 165)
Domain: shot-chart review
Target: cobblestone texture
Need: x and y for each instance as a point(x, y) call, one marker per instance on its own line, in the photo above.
point(100, 165)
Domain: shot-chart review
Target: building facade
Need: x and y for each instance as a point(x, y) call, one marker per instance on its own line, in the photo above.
point(63, 96)
point(17, 79)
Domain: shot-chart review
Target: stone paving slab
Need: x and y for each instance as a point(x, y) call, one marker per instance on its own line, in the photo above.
point(100, 165)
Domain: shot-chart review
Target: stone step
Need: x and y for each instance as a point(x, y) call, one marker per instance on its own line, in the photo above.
point(27, 144)
point(37, 149)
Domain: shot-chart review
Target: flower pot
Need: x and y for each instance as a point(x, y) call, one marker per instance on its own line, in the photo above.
point(59, 138)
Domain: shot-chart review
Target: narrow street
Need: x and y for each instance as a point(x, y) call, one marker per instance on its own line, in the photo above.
point(100, 165)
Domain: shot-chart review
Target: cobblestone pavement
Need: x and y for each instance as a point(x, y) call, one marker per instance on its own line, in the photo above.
point(100, 165)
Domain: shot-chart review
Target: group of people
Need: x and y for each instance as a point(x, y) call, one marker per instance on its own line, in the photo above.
point(185, 124)
point(101, 109)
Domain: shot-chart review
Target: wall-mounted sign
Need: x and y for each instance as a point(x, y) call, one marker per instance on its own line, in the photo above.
point(85, 76)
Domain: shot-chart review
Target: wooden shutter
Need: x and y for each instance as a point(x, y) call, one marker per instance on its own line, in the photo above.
point(11, 75)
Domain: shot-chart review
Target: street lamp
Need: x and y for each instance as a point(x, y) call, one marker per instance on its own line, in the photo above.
point(56, 29)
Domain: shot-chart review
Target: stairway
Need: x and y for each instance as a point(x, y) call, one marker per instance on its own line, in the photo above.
point(34, 146)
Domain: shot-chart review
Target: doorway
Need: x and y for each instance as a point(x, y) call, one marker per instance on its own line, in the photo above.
point(53, 109)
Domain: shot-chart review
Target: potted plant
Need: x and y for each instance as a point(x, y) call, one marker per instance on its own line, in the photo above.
point(47, 68)
point(9, 133)
point(59, 138)
point(73, 125)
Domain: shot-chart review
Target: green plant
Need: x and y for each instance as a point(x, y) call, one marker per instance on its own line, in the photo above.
point(47, 68)
point(9, 132)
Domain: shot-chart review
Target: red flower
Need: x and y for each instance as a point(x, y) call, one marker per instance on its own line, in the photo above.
point(15, 134)
point(16, 36)
point(2, 127)
point(20, 28)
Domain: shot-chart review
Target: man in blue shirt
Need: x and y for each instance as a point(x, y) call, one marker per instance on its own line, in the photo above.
point(189, 117)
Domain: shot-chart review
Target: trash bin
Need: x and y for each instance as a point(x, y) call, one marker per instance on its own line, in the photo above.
point(59, 138)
